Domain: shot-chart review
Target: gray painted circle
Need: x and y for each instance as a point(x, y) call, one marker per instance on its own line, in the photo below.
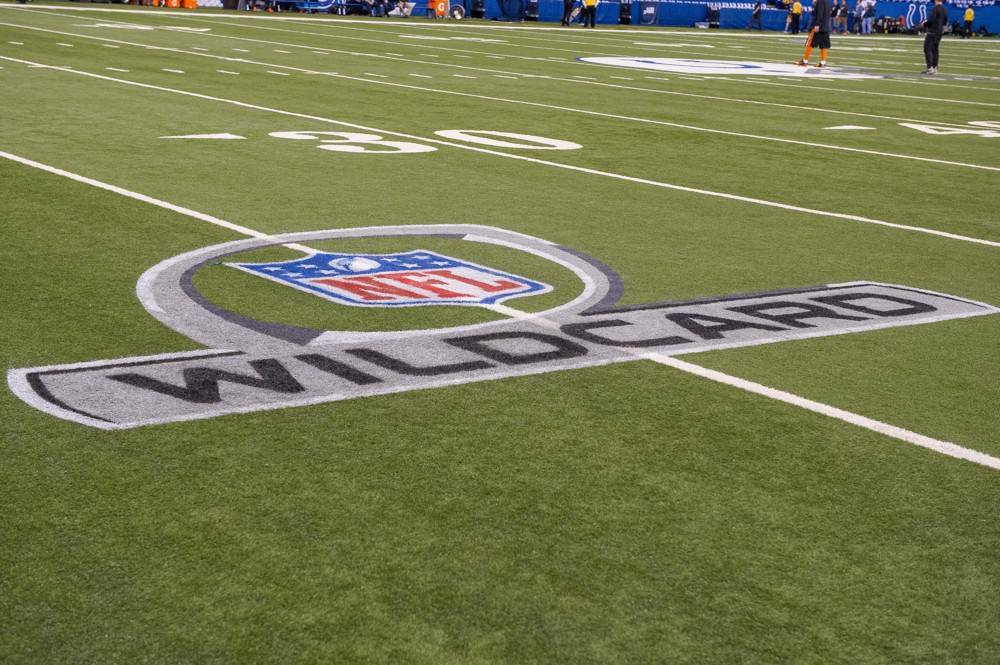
point(166, 290)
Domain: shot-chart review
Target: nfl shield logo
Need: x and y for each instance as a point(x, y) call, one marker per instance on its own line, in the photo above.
point(406, 279)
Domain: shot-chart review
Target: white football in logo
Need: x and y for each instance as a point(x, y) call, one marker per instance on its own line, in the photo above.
point(354, 264)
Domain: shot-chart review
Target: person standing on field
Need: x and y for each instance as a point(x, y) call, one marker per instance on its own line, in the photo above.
point(969, 17)
point(819, 33)
point(567, 11)
point(796, 16)
point(589, 13)
point(756, 15)
point(934, 28)
point(869, 20)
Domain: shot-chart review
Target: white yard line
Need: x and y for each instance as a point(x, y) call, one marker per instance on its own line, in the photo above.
point(936, 445)
point(575, 79)
point(883, 428)
point(533, 160)
point(663, 123)
point(159, 203)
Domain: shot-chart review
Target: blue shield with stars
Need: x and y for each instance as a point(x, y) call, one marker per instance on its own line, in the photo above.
point(405, 279)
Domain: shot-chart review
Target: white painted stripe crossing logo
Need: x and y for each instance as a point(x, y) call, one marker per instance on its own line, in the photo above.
point(253, 365)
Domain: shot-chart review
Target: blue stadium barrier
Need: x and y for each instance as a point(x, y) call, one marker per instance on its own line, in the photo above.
point(608, 11)
point(987, 13)
point(736, 15)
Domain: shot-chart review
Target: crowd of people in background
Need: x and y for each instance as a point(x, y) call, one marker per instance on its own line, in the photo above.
point(843, 19)
point(338, 7)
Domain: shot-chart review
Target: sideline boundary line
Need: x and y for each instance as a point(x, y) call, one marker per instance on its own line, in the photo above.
point(943, 447)
point(606, 36)
point(522, 158)
point(600, 114)
point(620, 86)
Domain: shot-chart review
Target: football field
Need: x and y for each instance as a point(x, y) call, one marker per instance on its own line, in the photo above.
point(344, 340)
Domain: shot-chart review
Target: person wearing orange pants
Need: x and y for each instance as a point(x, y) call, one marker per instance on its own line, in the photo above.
point(819, 34)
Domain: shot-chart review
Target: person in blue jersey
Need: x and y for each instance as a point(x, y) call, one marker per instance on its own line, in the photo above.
point(819, 33)
point(934, 28)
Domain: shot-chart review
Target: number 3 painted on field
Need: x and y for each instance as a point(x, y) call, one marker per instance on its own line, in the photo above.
point(355, 142)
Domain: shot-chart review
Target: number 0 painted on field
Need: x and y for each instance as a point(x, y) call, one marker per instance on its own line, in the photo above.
point(482, 137)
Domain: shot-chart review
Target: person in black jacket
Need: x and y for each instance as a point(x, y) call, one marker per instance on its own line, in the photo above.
point(567, 12)
point(756, 15)
point(934, 27)
point(819, 34)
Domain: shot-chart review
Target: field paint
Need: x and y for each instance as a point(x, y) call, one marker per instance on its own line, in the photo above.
point(849, 127)
point(117, 69)
point(664, 123)
point(568, 167)
point(278, 50)
point(64, 44)
point(590, 80)
point(878, 94)
point(241, 50)
point(223, 136)
point(173, 71)
point(16, 43)
point(463, 76)
point(943, 447)
point(504, 76)
point(352, 24)
point(877, 426)
point(422, 76)
point(226, 71)
point(142, 197)
point(198, 48)
point(381, 76)
point(644, 120)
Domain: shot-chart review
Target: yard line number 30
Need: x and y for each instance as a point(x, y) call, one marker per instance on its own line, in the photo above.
point(358, 142)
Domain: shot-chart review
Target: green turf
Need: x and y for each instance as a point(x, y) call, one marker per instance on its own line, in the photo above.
point(621, 514)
